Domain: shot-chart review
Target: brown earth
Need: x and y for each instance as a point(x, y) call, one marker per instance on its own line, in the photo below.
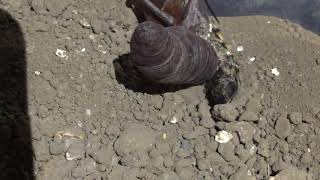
point(87, 123)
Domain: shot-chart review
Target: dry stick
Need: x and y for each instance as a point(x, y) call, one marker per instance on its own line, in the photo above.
point(166, 18)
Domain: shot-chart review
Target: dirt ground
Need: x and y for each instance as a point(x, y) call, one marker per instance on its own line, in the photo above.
point(88, 122)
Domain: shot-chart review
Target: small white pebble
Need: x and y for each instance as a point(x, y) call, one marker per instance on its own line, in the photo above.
point(269, 22)
point(84, 22)
point(102, 49)
point(164, 136)
point(88, 112)
point(174, 120)
point(252, 59)
point(61, 53)
point(228, 53)
point(83, 49)
point(210, 28)
point(309, 150)
point(272, 178)
point(208, 35)
point(240, 48)
point(91, 37)
point(37, 73)
point(103, 52)
point(80, 124)
point(253, 150)
point(204, 37)
point(275, 71)
point(223, 137)
point(69, 158)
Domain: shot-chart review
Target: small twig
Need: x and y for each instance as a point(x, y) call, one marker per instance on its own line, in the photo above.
point(166, 18)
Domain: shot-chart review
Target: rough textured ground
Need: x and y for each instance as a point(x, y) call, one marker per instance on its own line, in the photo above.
point(87, 123)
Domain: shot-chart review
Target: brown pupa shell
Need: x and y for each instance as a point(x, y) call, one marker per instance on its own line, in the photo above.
point(187, 13)
point(172, 55)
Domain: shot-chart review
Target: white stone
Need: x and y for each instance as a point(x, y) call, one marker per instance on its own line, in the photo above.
point(174, 120)
point(69, 157)
point(37, 73)
point(61, 53)
point(223, 137)
point(88, 112)
point(240, 48)
point(252, 59)
point(210, 28)
point(80, 124)
point(84, 22)
point(275, 71)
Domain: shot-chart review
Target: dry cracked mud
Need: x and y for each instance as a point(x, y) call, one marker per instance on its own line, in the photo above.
point(85, 120)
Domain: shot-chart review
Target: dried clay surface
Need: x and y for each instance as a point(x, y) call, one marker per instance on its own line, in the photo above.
point(88, 121)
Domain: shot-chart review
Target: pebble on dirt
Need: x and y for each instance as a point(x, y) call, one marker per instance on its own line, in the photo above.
point(135, 138)
point(61, 53)
point(240, 48)
point(283, 127)
point(104, 156)
point(173, 120)
point(242, 174)
point(252, 59)
point(207, 122)
point(225, 112)
point(295, 117)
point(37, 73)
point(227, 151)
point(57, 147)
point(245, 131)
point(76, 150)
point(292, 174)
point(204, 109)
point(275, 71)
point(223, 137)
point(249, 116)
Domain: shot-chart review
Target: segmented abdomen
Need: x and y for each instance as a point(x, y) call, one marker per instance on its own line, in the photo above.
point(172, 55)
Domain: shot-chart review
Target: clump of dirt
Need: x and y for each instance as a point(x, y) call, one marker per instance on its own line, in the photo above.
point(89, 122)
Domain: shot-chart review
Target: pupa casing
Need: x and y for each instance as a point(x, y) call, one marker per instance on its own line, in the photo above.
point(186, 13)
point(172, 55)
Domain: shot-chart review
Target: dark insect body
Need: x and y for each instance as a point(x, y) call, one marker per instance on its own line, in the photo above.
point(172, 55)
point(171, 46)
point(175, 54)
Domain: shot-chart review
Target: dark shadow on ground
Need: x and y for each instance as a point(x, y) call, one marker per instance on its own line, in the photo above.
point(304, 12)
point(129, 76)
point(16, 155)
point(219, 90)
